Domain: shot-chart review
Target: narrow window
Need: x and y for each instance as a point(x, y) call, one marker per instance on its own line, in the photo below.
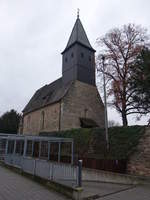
point(28, 121)
point(42, 119)
point(72, 55)
point(90, 58)
point(82, 54)
point(66, 59)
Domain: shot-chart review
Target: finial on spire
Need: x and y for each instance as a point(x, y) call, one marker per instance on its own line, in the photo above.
point(78, 12)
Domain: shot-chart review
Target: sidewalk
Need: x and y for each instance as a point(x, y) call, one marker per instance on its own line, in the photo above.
point(108, 191)
point(95, 189)
point(16, 187)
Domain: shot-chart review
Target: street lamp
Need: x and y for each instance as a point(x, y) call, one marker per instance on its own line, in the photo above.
point(105, 103)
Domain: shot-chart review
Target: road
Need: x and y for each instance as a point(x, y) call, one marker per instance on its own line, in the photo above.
point(16, 187)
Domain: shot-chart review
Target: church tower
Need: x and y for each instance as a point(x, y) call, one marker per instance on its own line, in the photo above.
point(73, 100)
point(78, 58)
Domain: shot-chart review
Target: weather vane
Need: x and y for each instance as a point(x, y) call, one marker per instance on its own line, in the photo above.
point(78, 12)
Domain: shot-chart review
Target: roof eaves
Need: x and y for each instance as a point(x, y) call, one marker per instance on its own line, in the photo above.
point(77, 42)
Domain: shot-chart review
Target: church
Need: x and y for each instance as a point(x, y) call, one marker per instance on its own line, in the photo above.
point(71, 101)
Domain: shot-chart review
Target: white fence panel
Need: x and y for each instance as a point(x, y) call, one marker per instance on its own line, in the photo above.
point(13, 160)
point(9, 159)
point(64, 172)
point(17, 161)
point(42, 169)
point(28, 165)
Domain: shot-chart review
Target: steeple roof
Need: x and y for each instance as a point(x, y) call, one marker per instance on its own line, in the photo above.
point(78, 35)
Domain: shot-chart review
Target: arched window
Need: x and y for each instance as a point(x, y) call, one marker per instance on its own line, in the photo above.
point(28, 121)
point(42, 119)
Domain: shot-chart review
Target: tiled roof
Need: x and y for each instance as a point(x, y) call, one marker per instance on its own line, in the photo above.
point(47, 95)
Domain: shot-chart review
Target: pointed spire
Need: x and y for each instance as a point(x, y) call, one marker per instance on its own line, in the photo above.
point(78, 35)
point(78, 13)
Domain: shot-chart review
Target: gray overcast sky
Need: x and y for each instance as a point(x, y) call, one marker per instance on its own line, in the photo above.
point(33, 33)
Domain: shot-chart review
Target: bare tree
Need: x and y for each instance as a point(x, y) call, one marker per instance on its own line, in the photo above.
point(120, 47)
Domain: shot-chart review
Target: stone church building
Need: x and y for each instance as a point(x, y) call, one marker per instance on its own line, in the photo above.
point(73, 100)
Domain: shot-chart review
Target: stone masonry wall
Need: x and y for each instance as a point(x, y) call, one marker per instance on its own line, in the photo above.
point(82, 100)
point(32, 123)
point(139, 162)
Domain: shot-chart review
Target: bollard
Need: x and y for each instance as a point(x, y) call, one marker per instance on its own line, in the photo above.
point(80, 173)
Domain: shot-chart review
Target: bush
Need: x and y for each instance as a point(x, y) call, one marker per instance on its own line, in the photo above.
point(91, 142)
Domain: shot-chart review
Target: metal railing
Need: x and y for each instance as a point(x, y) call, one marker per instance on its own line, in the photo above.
point(58, 172)
point(2, 148)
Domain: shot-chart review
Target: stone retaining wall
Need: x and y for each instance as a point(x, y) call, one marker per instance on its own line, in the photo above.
point(139, 162)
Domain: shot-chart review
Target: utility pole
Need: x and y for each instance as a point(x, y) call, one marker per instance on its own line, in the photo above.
point(105, 103)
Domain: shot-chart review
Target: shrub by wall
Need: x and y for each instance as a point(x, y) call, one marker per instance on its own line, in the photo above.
point(91, 143)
